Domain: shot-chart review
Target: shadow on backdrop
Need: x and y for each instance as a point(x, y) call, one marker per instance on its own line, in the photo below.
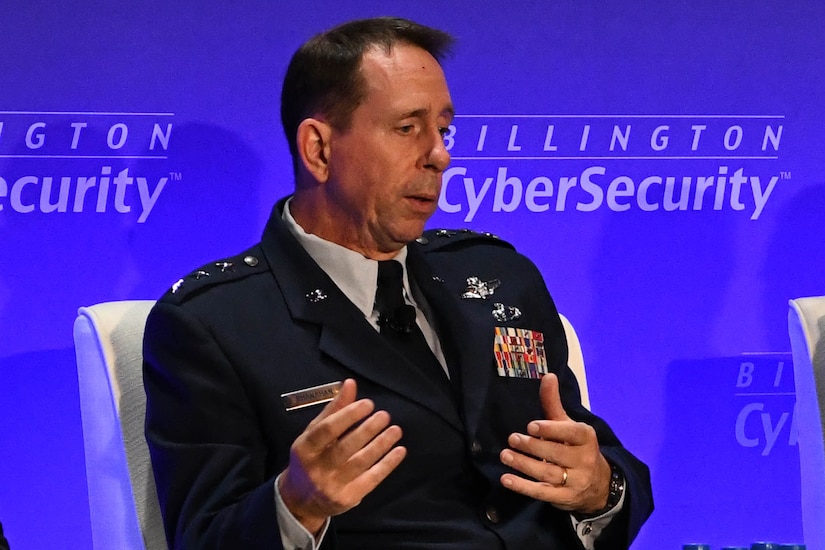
point(794, 265)
point(659, 280)
point(210, 212)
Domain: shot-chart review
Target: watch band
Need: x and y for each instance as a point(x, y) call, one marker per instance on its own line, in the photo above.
point(614, 495)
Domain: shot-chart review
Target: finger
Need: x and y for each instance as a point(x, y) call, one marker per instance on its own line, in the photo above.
point(365, 432)
point(346, 395)
point(370, 478)
point(543, 449)
point(370, 465)
point(560, 497)
point(371, 453)
point(562, 431)
point(326, 431)
point(546, 472)
point(550, 398)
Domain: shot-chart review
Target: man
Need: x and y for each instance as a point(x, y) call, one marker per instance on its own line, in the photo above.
point(423, 446)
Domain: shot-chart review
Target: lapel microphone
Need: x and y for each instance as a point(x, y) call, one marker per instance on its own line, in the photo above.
point(401, 320)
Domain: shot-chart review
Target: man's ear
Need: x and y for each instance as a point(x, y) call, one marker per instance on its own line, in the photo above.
point(313, 140)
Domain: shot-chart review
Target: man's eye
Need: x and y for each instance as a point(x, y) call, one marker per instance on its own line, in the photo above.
point(443, 131)
point(406, 129)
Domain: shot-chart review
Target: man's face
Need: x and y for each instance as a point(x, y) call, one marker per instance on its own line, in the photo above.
point(385, 168)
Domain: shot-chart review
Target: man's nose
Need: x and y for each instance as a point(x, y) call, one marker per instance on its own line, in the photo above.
point(438, 158)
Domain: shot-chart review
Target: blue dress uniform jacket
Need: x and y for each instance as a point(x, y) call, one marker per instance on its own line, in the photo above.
point(232, 337)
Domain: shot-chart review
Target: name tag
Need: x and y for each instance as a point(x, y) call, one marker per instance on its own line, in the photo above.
point(519, 353)
point(315, 395)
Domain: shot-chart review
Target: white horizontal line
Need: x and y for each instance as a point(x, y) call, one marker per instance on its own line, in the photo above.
point(618, 158)
point(620, 116)
point(763, 394)
point(82, 157)
point(98, 113)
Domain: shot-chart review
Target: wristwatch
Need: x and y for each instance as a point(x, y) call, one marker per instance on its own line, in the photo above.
point(614, 495)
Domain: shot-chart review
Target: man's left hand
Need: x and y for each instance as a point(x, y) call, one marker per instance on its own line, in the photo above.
point(560, 458)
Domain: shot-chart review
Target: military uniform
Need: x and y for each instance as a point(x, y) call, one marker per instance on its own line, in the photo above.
point(231, 338)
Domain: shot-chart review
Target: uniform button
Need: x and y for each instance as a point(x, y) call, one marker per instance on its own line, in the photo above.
point(251, 261)
point(586, 529)
point(475, 448)
point(492, 515)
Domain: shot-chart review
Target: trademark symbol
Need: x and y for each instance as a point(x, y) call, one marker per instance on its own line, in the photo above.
point(785, 174)
point(175, 176)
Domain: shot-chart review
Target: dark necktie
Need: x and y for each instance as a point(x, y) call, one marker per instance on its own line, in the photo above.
point(396, 320)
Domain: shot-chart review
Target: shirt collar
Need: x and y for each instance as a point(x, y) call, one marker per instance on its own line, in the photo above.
point(355, 275)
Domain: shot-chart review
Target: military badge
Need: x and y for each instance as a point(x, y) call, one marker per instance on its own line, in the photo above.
point(519, 352)
point(480, 290)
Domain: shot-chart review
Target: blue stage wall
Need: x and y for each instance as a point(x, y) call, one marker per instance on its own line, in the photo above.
point(661, 162)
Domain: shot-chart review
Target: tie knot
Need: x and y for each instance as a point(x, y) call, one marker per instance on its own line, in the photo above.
point(389, 293)
point(391, 274)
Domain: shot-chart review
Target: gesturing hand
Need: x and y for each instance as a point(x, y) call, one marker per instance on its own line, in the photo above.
point(560, 458)
point(343, 454)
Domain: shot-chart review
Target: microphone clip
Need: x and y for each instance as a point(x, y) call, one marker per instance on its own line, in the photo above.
point(401, 321)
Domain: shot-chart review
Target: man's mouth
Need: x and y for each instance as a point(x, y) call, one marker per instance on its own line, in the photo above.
point(422, 198)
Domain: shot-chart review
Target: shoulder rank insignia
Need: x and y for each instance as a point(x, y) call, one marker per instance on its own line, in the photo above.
point(217, 272)
point(434, 239)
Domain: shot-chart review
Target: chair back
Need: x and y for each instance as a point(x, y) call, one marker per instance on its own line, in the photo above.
point(123, 503)
point(806, 327)
point(575, 359)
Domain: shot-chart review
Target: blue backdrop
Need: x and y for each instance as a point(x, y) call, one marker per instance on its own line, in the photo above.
point(661, 162)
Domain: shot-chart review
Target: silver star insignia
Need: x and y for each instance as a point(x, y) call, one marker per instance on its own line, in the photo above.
point(176, 286)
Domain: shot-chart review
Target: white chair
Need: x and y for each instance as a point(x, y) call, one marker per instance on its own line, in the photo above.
point(806, 326)
point(123, 504)
point(575, 359)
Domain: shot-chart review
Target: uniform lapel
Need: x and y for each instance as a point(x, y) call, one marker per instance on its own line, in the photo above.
point(465, 330)
point(346, 336)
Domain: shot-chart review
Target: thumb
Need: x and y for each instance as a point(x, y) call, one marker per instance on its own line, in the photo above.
point(550, 399)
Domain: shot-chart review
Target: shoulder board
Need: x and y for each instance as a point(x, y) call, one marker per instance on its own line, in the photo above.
point(243, 265)
point(435, 239)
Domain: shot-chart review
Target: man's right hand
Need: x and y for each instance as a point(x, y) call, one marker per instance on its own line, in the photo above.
point(342, 455)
